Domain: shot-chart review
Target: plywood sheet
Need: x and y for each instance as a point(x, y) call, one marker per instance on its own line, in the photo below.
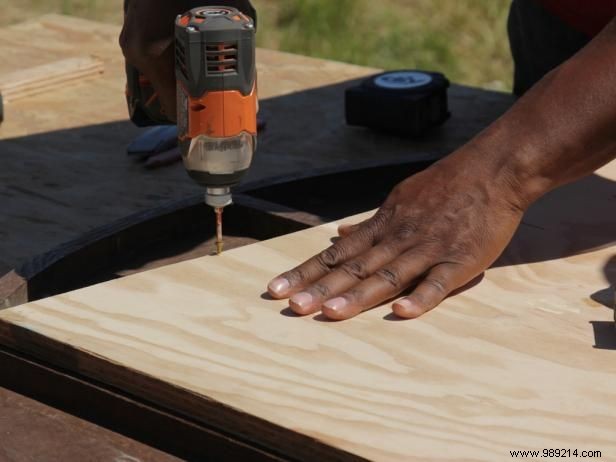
point(524, 360)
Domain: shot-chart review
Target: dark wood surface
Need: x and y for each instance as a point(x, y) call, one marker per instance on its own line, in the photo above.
point(63, 168)
point(145, 240)
point(33, 432)
point(63, 172)
point(182, 230)
point(87, 410)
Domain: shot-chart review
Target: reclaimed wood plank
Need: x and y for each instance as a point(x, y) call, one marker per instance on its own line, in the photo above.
point(47, 77)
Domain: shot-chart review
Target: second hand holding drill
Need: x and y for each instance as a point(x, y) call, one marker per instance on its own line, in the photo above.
point(216, 100)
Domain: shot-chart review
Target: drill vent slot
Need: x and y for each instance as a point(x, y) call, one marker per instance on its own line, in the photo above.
point(221, 58)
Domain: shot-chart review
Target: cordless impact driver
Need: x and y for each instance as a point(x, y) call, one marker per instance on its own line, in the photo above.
point(216, 100)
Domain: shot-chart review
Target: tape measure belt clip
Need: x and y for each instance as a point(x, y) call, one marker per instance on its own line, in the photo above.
point(406, 102)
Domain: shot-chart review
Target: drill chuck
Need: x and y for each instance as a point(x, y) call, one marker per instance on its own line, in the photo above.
point(218, 197)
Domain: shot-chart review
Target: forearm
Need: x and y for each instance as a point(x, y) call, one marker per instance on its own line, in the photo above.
point(147, 40)
point(563, 129)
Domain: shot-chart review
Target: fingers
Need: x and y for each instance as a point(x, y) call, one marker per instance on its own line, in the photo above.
point(160, 71)
point(346, 229)
point(435, 287)
point(147, 41)
point(323, 263)
point(343, 278)
point(383, 285)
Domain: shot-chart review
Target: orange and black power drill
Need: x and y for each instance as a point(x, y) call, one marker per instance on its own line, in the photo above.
point(216, 100)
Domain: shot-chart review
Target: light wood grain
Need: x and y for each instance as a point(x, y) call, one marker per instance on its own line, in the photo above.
point(524, 360)
point(47, 77)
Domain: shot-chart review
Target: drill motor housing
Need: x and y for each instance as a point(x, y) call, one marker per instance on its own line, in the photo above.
point(216, 97)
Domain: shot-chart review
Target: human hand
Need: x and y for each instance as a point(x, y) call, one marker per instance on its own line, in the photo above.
point(147, 41)
point(436, 232)
point(441, 228)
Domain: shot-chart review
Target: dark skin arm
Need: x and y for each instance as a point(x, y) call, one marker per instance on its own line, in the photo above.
point(440, 229)
point(148, 44)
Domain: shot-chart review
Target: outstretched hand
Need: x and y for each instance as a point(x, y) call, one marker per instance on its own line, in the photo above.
point(436, 232)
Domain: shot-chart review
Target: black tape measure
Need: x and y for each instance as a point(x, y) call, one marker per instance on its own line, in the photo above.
point(408, 103)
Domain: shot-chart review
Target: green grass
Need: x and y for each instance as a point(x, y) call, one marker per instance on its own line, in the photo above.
point(465, 39)
point(362, 35)
point(12, 11)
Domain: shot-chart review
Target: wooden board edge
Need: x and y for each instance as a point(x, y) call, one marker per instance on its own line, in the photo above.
point(32, 280)
point(46, 77)
point(36, 273)
point(13, 290)
point(250, 430)
point(87, 400)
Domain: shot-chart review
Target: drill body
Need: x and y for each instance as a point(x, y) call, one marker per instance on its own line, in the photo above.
point(216, 98)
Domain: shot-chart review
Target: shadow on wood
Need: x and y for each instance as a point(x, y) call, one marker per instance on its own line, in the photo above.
point(571, 220)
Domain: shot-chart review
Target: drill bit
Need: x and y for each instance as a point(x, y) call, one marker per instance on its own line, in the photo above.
point(219, 240)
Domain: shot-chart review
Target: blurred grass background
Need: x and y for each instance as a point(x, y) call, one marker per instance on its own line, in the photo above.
point(465, 39)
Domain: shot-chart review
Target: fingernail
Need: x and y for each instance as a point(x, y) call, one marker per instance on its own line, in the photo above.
point(279, 286)
point(302, 300)
point(343, 228)
point(404, 307)
point(404, 303)
point(336, 304)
